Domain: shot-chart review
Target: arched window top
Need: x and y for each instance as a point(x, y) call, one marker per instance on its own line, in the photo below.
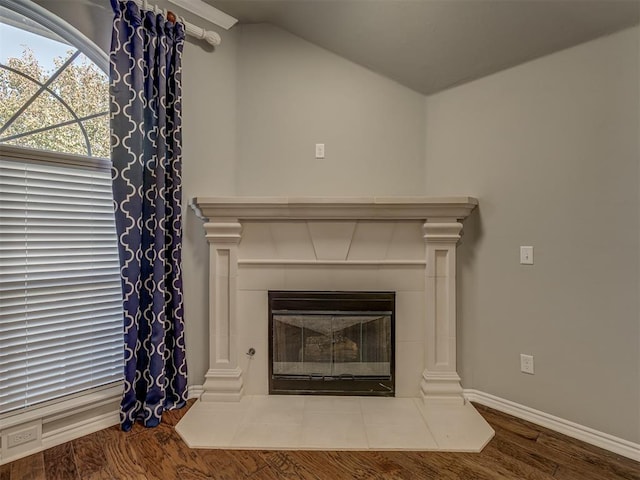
point(52, 96)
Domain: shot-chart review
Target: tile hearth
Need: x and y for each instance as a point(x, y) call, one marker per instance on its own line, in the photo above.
point(292, 422)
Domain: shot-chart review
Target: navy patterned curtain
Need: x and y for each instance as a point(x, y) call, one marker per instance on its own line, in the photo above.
point(146, 138)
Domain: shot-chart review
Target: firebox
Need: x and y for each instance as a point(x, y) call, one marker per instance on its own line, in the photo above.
point(332, 343)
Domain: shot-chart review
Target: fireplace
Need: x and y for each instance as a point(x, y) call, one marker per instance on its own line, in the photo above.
point(270, 253)
point(331, 343)
point(405, 245)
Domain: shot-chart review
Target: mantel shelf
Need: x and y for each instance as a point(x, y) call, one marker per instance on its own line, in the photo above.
point(334, 208)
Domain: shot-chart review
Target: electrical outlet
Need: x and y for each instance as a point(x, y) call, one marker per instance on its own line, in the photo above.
point(22, 436)
point(319, 150)
point(526, 363)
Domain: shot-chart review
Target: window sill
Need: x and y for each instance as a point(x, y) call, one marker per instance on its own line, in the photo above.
point(59, 422)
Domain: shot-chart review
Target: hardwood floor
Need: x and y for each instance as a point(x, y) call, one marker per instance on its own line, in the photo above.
point(519, 450)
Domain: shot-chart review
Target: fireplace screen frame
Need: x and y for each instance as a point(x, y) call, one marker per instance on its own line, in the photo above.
point(362, 302)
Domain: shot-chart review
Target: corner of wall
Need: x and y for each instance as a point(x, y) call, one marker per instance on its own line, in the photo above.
point(550, 148)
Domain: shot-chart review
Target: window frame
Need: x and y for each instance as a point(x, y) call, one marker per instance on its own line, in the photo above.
point(60, 420)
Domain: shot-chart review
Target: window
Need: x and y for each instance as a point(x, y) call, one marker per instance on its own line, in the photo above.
point(61, 317)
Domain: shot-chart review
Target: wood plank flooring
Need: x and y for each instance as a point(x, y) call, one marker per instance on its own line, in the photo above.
point(520, 450)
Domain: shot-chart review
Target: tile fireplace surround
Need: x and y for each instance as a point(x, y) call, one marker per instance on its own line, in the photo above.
point(401, 244)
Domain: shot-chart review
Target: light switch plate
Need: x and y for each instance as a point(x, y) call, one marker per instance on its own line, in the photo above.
point(526, 255)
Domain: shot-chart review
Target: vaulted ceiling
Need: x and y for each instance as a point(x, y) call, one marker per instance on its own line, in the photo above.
point(426, 45)
point(430, 45)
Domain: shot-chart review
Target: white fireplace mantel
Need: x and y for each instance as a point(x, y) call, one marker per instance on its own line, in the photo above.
point(335, 208)
point(339, 233)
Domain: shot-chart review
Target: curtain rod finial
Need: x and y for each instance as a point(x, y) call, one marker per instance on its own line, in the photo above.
point(212, 38)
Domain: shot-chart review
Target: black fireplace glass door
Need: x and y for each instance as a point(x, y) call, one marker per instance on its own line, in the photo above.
point(331, 343)
point(337, 345)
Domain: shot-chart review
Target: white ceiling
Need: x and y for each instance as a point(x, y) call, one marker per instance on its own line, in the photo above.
point(430, 45)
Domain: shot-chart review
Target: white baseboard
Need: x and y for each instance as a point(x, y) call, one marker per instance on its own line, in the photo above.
point(67, 433)
point(194, 391)
point(560, 425)
point(80, 429)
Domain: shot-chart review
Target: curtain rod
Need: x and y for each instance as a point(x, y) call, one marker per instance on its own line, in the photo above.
point(200, 33)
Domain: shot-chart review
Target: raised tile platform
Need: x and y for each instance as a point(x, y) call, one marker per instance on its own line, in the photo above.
point(291, 422)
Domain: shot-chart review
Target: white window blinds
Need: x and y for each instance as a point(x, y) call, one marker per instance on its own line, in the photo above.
point(61, 317)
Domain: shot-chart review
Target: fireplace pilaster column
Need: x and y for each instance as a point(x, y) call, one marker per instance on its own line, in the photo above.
point(440, 380)
point(223, 380)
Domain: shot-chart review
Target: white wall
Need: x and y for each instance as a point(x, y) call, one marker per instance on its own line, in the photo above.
point(551, 150)
point(92, 18)
point(293, 94)
point(638, 201)
point(209, 162)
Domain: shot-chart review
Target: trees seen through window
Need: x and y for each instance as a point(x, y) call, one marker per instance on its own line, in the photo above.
point(52, 97)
